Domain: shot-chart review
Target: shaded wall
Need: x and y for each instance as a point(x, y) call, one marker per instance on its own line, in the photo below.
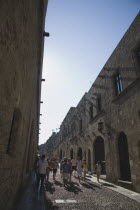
point(21, 44)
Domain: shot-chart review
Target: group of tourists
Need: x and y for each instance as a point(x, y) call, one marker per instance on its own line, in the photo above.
point(68, 168)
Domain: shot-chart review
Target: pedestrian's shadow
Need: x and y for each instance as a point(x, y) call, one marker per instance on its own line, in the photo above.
point(74, 183)
point(90, 185)
point(58, 183)
point(72, 188)
point(89, 176)
point(107, 185)
point(49, 205)
point(87, 186)
point(49, 187)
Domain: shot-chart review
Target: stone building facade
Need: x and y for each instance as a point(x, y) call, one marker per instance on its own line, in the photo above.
point(48, 148)
point(105, 125)
point(21, 54)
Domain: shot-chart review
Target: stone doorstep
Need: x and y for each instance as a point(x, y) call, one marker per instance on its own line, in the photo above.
point(125, 182)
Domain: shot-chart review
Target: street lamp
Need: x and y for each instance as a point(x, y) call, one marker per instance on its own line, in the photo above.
point(101, 128)
point(46, 34)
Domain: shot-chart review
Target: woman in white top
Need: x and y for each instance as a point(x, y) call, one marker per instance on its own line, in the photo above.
point(79, 168)
point(98, 169)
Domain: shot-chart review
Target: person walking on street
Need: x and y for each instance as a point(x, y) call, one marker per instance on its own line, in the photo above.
point(61, 162)
point(65, 167)
point(73, 166)
point(85, 169)
point(79, 168)
point(54, 167)
point(49, 169)
point(70, 168)
point(42, 166)
point(98, 169)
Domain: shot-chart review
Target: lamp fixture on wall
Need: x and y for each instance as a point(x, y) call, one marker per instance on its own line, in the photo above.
point(101, 128)
point(46, 34)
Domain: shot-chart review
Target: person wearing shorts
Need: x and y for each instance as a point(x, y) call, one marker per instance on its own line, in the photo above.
point(98, 170)
point(85, 169)
point(65, 171)
point(70, 168)
point(54, 167)
point(79, 168)
point(49, 169)
point(73, 164)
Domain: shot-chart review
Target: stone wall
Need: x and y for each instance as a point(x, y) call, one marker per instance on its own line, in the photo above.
point(21, 44)
point(117, 109)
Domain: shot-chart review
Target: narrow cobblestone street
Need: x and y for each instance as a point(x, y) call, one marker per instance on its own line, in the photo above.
point(86, 196)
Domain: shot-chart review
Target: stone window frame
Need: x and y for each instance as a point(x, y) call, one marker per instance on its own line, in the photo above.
point(14, 132)
point(118, 83)
point(91, 112)
point(136, 58)
point(113, 86)
point(99, 103)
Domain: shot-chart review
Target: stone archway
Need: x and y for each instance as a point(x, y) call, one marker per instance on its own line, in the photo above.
point(99, 149)
point(125, 173)
point(79, 153)
point(71, 153)
point(89, 160)
point(99, 152)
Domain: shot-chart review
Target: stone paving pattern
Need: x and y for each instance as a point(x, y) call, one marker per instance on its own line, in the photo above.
point(89, 195)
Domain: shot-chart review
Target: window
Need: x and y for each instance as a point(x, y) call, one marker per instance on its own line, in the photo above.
point(99, 105)
point(118, 84)
point(91, 112)
point(14, 132)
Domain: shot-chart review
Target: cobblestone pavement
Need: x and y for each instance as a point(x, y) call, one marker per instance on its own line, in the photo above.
point(86, 196)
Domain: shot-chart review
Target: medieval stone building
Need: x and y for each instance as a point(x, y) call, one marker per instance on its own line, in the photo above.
point(105, 125)
point(21, 53)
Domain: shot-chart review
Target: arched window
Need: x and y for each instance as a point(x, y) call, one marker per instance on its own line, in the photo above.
point(14, 132)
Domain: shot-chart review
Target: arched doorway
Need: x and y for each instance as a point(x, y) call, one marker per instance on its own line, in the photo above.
point(99, 152)
point(79, 153)
point(64, 154)
point(125, 173)
point(89, 160)
point(71, 153)
point(61, 154)
point(85, 155)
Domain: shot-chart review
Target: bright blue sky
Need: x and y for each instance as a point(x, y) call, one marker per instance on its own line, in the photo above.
point(83, 34)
